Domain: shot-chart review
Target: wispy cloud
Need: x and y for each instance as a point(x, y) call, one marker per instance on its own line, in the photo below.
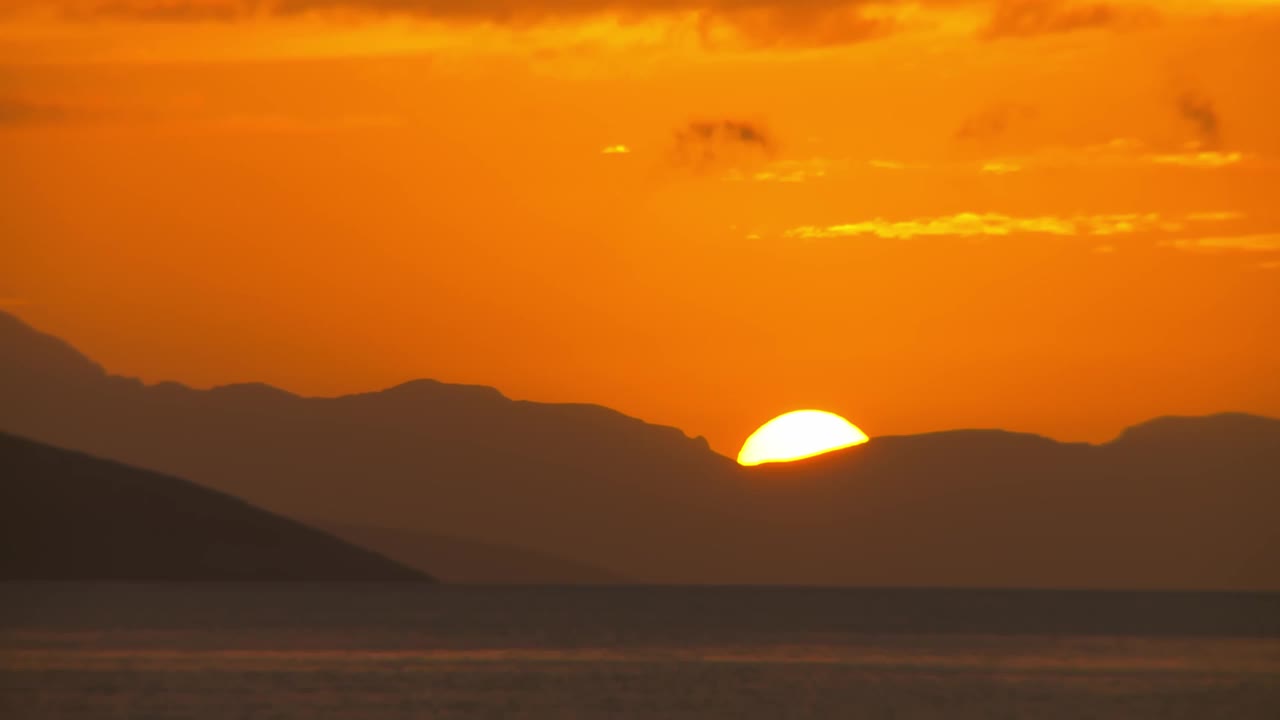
point(1002, 124)
point(1000, 225)
point(1117, 153)
point(791, 171)
point(887, 165)
point(1000, 167)
point(1263, 242)
point(1219, 216)
point(1209, 159)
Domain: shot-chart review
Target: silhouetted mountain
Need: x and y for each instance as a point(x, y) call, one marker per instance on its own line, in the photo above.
point(577, 482)
point(1174, 503)
point(1195, 510)
point(472, 563)
point(68, 516)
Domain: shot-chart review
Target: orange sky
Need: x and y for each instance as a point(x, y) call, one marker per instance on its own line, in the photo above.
point(1058, 217)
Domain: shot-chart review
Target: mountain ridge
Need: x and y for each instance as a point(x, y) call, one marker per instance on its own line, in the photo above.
point(647, 502)
point(434, 387)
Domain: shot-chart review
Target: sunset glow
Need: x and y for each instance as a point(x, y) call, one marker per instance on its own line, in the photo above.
point(1047, 215)
point(797, 435)
point(307, 304)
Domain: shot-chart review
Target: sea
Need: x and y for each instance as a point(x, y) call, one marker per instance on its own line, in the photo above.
point(393, 652)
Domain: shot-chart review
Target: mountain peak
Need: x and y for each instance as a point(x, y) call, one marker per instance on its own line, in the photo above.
point(1222, 426)
point(27, 351)
point(429, 388)
point(252, 390)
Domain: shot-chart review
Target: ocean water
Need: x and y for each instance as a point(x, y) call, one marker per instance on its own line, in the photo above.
point(388, 652)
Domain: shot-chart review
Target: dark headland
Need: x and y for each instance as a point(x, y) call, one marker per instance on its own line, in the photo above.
point(66, 516)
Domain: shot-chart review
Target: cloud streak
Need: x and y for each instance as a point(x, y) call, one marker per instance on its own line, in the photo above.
point(1205, 159)
point(792, 171)
point(1117, 153)
point(1257, 243)
point(1000, 225)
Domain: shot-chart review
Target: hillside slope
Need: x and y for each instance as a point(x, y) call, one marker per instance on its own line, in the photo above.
point(69, 516)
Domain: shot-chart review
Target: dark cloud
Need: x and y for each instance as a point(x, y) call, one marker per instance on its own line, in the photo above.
point(788, 14)
point(1025, 18)
point(994, 122)
point(172, 10)
point(797, 25)
point(761, 23)
point(1198, 110)
point(703, 145)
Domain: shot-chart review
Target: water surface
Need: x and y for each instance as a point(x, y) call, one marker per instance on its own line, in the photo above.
point(393, 652)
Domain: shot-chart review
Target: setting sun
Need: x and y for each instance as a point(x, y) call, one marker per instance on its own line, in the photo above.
point(797, 435)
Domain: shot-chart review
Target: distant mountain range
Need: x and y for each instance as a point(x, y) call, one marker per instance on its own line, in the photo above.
point(1185, 503)
point(470, 562)
point(68, 516)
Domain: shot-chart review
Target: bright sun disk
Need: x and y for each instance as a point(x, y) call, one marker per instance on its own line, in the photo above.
point(797, 435)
